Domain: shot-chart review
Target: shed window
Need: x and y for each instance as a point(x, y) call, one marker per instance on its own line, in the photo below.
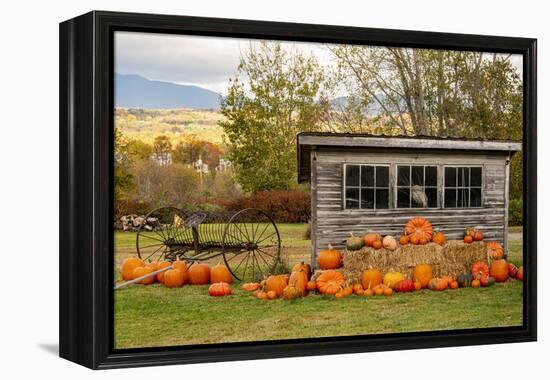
point(366, 187)
point(462, 187)
point(416, 186)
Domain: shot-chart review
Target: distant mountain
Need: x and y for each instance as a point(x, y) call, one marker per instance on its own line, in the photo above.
point(134, 91)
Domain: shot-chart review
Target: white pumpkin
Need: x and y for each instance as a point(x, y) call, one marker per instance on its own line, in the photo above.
point(389, 242)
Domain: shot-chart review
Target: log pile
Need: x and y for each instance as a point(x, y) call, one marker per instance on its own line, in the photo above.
point(133, 222)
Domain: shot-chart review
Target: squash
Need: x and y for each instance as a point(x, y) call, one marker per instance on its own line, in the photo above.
point(464, 280)
point(276, 283)
point(519, 274)
point(392, 278)
point(354, 243)
point(329, 258)
point(499, 270)
point(377, 244)
point(142, 271)
point(330, 282)
point(219, 289)
point(299, 279)
point(220, 273)
point(495, 250)
point(370, 237)
point(302, 266)
point(174, 278)
point(371, 278)
point(162, 265)
point(480, 269)
point(423, 273)
point(291, 292)
point(311, 286)
point(439, 238)
point(250, 286)
point(512, 270)
point(389, 243)
point(419, 227)
point(199, 274)
point(404, 286)
point(128, 266)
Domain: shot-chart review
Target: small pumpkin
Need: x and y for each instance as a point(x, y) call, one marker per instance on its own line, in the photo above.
point(220, 273)
point(330, 282)
point(370, 237)
point(276, 283)
point(291, 292)
point(499, 270)
point(478, 235)
point(417, 285)
point(438, 284)
point(368, 292)
point(250, 286)
point(299, 279)
point(487, 281)
point(219, 289)
point(354, 243)
point(388, 292)
point(142, 271)
point(302, 266)
point(348, 290)
point(262, 295)
point(377, 244)
point(379, 290)
point(414, 239)
point(371, 278)
point(403, 286)
point(476, 284)
point(453, 285)
point(162, 265)
point(519, 274)
point(464, 280)
point(340, 294)
point(128, 266)
point(495, 250)
point(449, 279)
point(404, 239)
point(468, 239)
point(470, 231)
point(392, 278)
point(480, 269)
point(422, 240)
point(271, 295)
point(358, 289)
point(180, 265)
point(389, 243)
point(174, 278)
point(199, 274)
point(439, 238)
point(311, 286)
point(329, 258)
point(512, 270)
point(423, 273)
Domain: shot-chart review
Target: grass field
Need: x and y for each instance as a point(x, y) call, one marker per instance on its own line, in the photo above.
point(148, 316)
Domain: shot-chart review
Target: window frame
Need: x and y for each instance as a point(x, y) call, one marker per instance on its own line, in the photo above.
point(437, 186)
point(481, 187)
point(389, 187)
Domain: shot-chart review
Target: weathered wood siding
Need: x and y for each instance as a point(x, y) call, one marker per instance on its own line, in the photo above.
point(333, 223)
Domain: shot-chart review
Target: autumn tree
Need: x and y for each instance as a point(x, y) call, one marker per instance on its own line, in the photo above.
point(162, 148)
point(274, 96)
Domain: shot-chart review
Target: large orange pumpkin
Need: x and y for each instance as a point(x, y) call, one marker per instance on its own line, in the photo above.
point(174, 278)
point(499, 270)
point(199, 274)
point(419, 227)
point(371, 278)
point(330, 282)
point(298, 279)
point(220, 273)
point(495, 250)
point(162, 265)
point(142, 271)
point(276, 284)
point(219, 289)
point(423, 273)
point(480, 269)
point(128, 267)
point(329, 258)
point(180, 265)
point(302, 266)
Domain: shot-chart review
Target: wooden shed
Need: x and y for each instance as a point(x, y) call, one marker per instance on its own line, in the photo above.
point(363, 182)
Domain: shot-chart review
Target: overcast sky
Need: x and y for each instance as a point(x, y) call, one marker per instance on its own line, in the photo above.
point(207, 62)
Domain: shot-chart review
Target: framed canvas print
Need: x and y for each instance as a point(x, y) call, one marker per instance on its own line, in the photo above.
point(237, 189)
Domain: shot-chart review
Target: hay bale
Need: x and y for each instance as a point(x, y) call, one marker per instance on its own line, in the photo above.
point(454, 258)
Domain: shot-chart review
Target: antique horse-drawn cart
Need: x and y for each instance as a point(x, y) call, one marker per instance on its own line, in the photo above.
point(247, 241)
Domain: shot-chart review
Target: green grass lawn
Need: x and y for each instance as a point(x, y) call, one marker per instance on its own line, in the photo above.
point(148, 316)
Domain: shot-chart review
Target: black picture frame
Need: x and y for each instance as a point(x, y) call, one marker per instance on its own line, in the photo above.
point(86, 184)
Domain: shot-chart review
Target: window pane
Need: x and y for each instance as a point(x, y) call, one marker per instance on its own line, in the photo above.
point(419, 198)
point(382, 176)
point(431, 193)
point(450, 177)
point(475, 197)
point(462, 198)
point(431, 176)
point(450, 197)
point(367, 198)
point(367, 176)
point(352, 175)
point(382, 198)
point(417, 175)
point(403, 197)
point(403, 173)
point(475, 176)
point(463, 177)
point(352, 198)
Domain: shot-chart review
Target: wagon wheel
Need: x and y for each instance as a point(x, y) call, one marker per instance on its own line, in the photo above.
point(166, 240)
point(251, 245)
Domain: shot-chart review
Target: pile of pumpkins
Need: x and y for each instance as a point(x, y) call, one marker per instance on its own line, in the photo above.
point(180, 274)
point(288, 286)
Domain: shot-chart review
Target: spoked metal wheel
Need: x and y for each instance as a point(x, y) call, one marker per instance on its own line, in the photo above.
point(251, 245)
point(166, 240)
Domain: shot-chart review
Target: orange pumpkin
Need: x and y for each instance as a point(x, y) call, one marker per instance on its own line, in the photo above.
point(142, 271)
point(174, 278)
point(330, 282)
point(128, 267)
point(199, 274)
point(414, 239)
point(468, 239)
point(449, 279)
point(262, 295)
point(271, 295)
point(476, 284)
point(219, 289)
point(377, 244)
point(439, 238)
point(499, 270)
point(417, 285)
point(299, 279)
point(340, 294)
point(180, 265)
point(302, 266)
point(478, 236)
point(438, 284)
point(379, 290)
point(358, 289)
point(370, 238)
point(495, 250)
point(368, 292)
point(371, 278)
point(311, 286)
point(329, 258)
point(348, 290)
point(453, 285)
point(250, 286)
point(220, 273)
point(480, 269)
point(291, 292)
point(388, 292)
point(404, 239)
point(276, 284)
point(162, 265)
point(519, 274)
point(423, 273)
point(419, 227)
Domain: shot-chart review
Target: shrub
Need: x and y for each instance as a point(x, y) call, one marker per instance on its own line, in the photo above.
point(515, 212)
point(283, 206)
